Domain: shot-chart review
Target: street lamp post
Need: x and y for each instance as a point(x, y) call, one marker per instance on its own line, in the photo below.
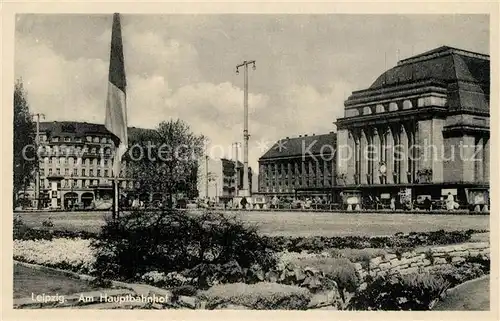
point(236, 175)
point(246, 136)
point(213, 178)
point(37, 166)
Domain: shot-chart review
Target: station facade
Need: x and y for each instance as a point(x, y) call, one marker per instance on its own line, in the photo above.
point(422, 128)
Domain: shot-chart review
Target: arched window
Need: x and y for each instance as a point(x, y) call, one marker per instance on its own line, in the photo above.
point(367, 110)
point(407, 104)
point(379, 108)
point(393, 106)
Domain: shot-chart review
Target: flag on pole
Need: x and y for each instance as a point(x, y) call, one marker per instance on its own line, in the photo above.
point(116, 105)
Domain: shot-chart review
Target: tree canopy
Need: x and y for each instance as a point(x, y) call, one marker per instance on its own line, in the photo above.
point(24, 141)
point(165, 159)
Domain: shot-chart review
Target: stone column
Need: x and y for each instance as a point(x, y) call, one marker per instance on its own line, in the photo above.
point(438, 152)
point(467, 155)
point(342, 145)
point(290, 174)
point(389, 162)
point(486, 162)
point(349, 158)
point(303, 171)
point(376, 156)
point(404, 150)
point(363, 144)
point(326, 172)
point(357, 157)
point(479, 160)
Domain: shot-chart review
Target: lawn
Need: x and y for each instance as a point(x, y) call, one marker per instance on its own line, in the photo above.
point(299, 223)
point(471, 296)
point(28, 281)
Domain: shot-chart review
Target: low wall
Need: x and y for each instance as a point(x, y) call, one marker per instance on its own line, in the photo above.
point(423, 259)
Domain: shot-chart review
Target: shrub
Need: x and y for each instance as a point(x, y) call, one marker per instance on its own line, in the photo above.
point(23, 232)
point(362, 256)
point(208, 248)
point(259, 296)
point(400, 292)
point(457, 274)
point(317, 244)
point(339, 270)
point(483, 262)
point(48, 223)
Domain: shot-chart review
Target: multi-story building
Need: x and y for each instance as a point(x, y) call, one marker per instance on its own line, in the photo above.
point(299, 166)
point(422, 128)
point(222, 179)
point(78, 156)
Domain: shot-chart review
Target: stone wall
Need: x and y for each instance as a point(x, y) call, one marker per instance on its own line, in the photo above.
point(422, 260)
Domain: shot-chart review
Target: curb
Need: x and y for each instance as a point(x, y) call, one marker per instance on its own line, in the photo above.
point(136, 287)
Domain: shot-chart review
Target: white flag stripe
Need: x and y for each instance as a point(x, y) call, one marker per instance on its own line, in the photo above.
point(116, 123)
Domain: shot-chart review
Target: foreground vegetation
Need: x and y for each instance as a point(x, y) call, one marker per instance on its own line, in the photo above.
point(210, 254)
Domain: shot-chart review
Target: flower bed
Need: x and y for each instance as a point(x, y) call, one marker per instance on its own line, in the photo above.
point(70, 254)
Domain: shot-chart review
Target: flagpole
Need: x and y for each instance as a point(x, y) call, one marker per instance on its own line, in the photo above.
point(116, 202)
point(116, 107)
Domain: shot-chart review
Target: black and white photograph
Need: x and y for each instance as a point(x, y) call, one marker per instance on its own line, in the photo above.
point(251, 161)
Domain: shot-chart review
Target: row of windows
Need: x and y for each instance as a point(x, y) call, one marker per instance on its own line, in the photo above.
point(105, 173)
point(71, 161)
point(297, 168)
point(272, 174)
point(298, 182)
point(395, 106)
point(79, 183)
point(90, 139)
point(63, 149)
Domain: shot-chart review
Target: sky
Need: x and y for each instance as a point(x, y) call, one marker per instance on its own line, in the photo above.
point(183, 66)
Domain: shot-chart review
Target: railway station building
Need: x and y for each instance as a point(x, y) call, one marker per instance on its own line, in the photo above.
point(421, 128)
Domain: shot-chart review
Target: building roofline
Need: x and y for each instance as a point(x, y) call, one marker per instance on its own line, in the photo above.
point(442, 51)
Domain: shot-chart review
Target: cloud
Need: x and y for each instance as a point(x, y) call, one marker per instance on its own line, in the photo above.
point(62, 89)
point(182, 66)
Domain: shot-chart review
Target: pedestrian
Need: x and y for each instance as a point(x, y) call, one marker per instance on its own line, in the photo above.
point(393, 204)
point(428, 203)
point(244, 202)
point(450, 202)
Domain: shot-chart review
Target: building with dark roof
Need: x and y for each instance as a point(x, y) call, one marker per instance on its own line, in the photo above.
point(225, 179)
point(78, 157)
point(415, 130)
point(299, 165)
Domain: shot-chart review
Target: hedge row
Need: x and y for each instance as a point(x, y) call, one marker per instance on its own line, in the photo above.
point(317, 244)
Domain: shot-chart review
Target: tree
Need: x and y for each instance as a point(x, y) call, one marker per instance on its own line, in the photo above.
point(24, 142)
point(165, 159)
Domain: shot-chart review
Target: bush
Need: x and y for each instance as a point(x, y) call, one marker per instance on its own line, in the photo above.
point(483, 262)
point(208, 248)
point(339, 270)
point(23, 232)
point(362, 256)
point(400, 292)
point(457, 274)
point(48, 223)
point(259, 296)
point(318, 244)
